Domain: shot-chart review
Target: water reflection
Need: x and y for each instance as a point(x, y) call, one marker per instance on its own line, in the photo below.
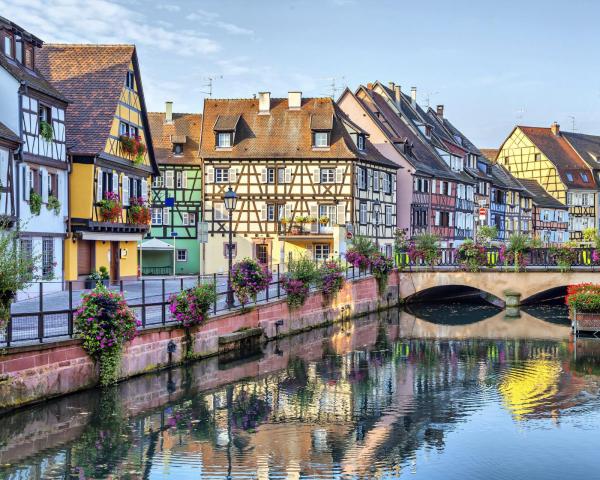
point(381, 397)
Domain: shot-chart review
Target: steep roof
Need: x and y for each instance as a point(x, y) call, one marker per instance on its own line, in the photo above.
point(282, 133)
point(489, 153)
point(570, 166)
point(541, 197)
point(7, 134)
point(185, 126)
point(504, 178)
point(586, 146)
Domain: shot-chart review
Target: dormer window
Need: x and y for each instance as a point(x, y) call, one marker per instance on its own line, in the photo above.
point(130, 81)
point(569, 177)
point(224, 140)
point(584, 177)
point(360, 142)
point(321, 139)
point(7, 45)
point(428, 131)
point(178, 148)
point(28, 59)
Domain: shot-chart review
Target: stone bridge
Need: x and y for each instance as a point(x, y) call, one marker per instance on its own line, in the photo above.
point(511, 288)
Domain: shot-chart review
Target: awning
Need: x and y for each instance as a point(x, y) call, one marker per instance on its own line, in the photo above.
point(112, 236)
point(156, 245)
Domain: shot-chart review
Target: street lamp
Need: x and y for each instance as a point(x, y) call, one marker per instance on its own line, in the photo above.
point(376, 207)
point(230, 201)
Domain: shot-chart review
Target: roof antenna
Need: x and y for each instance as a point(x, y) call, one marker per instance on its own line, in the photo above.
point(572, 117)
point(209, 85)
point(335, 88)
point(427, 98)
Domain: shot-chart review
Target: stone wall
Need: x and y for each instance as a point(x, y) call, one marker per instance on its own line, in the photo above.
point(34, 373)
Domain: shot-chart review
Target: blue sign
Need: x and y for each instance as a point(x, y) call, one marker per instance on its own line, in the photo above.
point(169, 202)
point(174, 233)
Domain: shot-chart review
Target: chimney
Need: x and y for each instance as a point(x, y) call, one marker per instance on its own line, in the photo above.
point(440, 111)
point(391, 85)
point(398, 95)
point(413, 96)
point(264, 102)
point(555, 127)
point(369, 86)
point(169, 112)
point(294, 100)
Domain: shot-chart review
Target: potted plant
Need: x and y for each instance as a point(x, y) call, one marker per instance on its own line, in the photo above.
point(110, 207)
point(330, 279)
point(513, 253)
point(297, 281)
point(323, 220)
point(53, 204)
point(35, 202)
point(100, 276)
point(139, 213)
point(133, 147)
point(46, 131)
point(105, 323)
point(248, 279)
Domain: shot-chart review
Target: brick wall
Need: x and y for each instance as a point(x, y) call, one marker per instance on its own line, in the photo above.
point(34, 373)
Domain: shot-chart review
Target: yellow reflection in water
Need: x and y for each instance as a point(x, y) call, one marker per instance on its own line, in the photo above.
point(526, 387)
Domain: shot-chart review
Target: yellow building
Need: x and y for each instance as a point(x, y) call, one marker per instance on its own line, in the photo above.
point(565, 164)
point(306, 178)
point(112, 158)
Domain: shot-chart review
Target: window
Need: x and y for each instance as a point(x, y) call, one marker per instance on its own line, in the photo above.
point(422, 185)
point(360, 142)
point(19, 49)
point(321, 139)
point(389, 221)
point(328, 175)
point(178, 148)
point(47, 258)
point(329, 211)
point(182, 255)
point(387, 183)
point(584, 177)
point(157, 216)
point(376, 177)
point(445, 188)
point(44, 115)
point(185, 218)
point(181, 179)
point(129, 81)
point(538, 157)
point(220, 212)
point(8, 50)
point(158, 182)
point(221, 175)
point(169, 178)
point(128, 130)
point(322, 251)
point(569, 177)
point(270, 175)
point(271, 212)
point(362, 213)
point(166, 213)
point(27, 252)
point(362, 178)
point(420, 218)
point(281, 175)
point(262, 253)
point(226, 248)
point(224, 140)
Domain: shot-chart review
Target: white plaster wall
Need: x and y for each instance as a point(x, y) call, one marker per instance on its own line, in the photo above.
point(9, 101)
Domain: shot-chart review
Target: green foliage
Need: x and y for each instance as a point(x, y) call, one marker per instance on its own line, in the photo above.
point(105, 323)
point(35, 202)
point(564, 256)
point(471, 256)
point(17, 270)
point(53, 204)
point(590, 235)
point(585, 302)
point(46, 131)
point(518, 243)
point(303, 268)
point(486, 233)
point(425, 248)
point(400, 240)
point(99, 275)
point(364, 246)
point(302, 272)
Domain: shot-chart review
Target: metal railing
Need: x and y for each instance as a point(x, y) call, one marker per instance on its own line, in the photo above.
point(50, 315)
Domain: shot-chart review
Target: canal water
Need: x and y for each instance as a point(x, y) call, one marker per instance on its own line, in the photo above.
point(442, 391)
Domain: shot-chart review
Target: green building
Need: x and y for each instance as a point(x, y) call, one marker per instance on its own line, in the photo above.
point(173, 238)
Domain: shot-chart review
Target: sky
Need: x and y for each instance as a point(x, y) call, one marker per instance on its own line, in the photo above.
point(493, 64)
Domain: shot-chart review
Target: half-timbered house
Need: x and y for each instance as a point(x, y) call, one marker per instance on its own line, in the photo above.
point(550, 217)
point(176, 138)
point(34, 111)
point(561, 163)
point(9, 145)
point(307, 178)
point(111, 155)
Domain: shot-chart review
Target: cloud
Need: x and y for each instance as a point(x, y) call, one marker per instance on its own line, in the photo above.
point(103, 21)
point(210, 19)
point(168, 7)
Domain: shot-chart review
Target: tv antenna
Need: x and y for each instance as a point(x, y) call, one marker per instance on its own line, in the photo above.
point(572, 117)
point(520, 112)
point(335, 88)
point(428, 98)
point(209, 85)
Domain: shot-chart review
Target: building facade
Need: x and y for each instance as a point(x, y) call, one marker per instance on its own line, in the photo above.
point(111, 155)
point(306, 177)
point(176, 138)
point(34, 175)
point(564, 164)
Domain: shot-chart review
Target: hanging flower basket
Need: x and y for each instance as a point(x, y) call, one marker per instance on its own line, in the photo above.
point(133, 147)
point(110, 207)
point(139, 213)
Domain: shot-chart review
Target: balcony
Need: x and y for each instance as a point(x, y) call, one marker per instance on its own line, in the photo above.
point(126, 222)
point(305, 230)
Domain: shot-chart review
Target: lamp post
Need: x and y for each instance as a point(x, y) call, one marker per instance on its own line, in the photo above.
point(376, 207)
point(230, 201)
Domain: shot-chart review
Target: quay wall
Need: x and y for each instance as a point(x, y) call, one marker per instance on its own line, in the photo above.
point(33, 373)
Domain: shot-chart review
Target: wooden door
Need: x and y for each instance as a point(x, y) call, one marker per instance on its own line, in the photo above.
point(114, 261)
point(84, 257)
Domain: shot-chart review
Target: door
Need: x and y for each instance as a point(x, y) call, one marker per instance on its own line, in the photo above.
point(84, 257)
point(114, 261)
point(262, 253)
